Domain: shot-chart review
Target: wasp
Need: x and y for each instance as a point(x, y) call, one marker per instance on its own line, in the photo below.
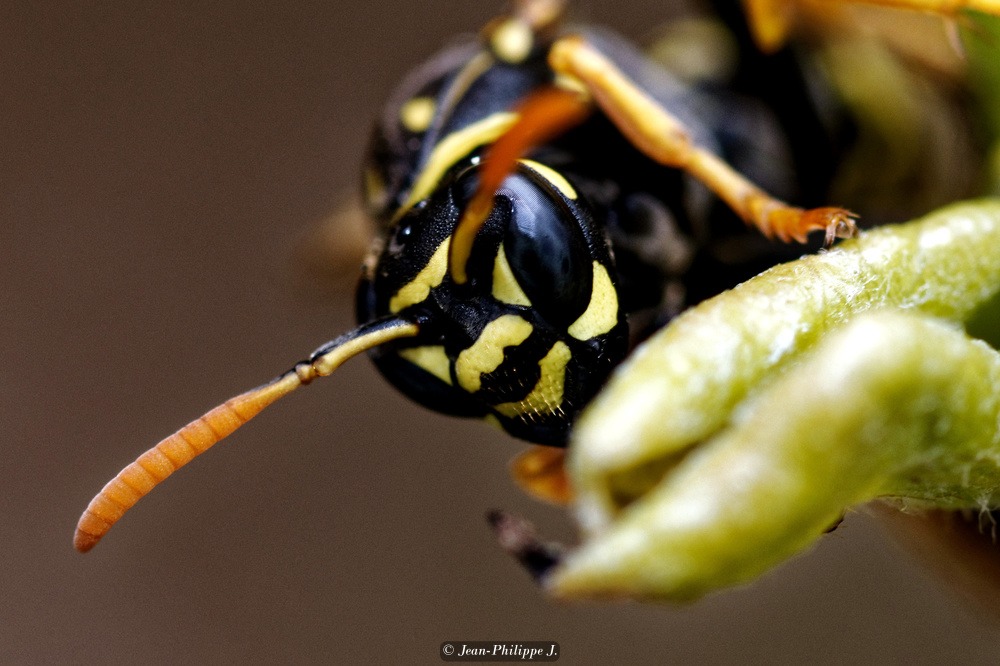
point(546, 199)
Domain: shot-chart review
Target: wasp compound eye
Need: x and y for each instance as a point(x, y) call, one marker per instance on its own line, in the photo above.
point(546, 249)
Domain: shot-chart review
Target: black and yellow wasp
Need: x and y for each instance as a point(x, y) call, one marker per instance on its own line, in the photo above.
point(547, 197)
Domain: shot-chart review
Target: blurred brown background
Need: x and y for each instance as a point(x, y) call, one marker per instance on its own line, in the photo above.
point(157, 165)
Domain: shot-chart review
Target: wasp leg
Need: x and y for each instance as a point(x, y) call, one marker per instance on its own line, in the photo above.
point(662, 137)
point(519, 538)
point(943, 7)
point(772, 21)
point(541, 472)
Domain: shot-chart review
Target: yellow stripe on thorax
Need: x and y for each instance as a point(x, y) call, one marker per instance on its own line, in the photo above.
point(417, 289)
point(547, 396)
point(601, 314)
point(486, 353)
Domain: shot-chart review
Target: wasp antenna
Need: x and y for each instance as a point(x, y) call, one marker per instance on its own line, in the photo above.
point(328, 358)
point(542, 116)
point(156, 464)
point(177, 450)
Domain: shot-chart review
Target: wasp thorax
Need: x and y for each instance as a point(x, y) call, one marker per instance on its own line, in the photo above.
point(532, 334)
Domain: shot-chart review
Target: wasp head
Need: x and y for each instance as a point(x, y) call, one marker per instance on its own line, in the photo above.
point(531, 335)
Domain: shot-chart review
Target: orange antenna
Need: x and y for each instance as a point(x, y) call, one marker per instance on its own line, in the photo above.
point(542, 116)
point(177, 450)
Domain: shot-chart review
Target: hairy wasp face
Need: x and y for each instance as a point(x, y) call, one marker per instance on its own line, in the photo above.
point(532, 335)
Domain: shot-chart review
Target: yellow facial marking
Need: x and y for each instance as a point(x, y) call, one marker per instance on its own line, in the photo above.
point(555, 178)
point(486, 353)
point(505, 286)
point(601, 314)
point(433, 359)
point(417, 113)
point(454, 147)
point(512, 41)
point(546, 397)
point(429, 277)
